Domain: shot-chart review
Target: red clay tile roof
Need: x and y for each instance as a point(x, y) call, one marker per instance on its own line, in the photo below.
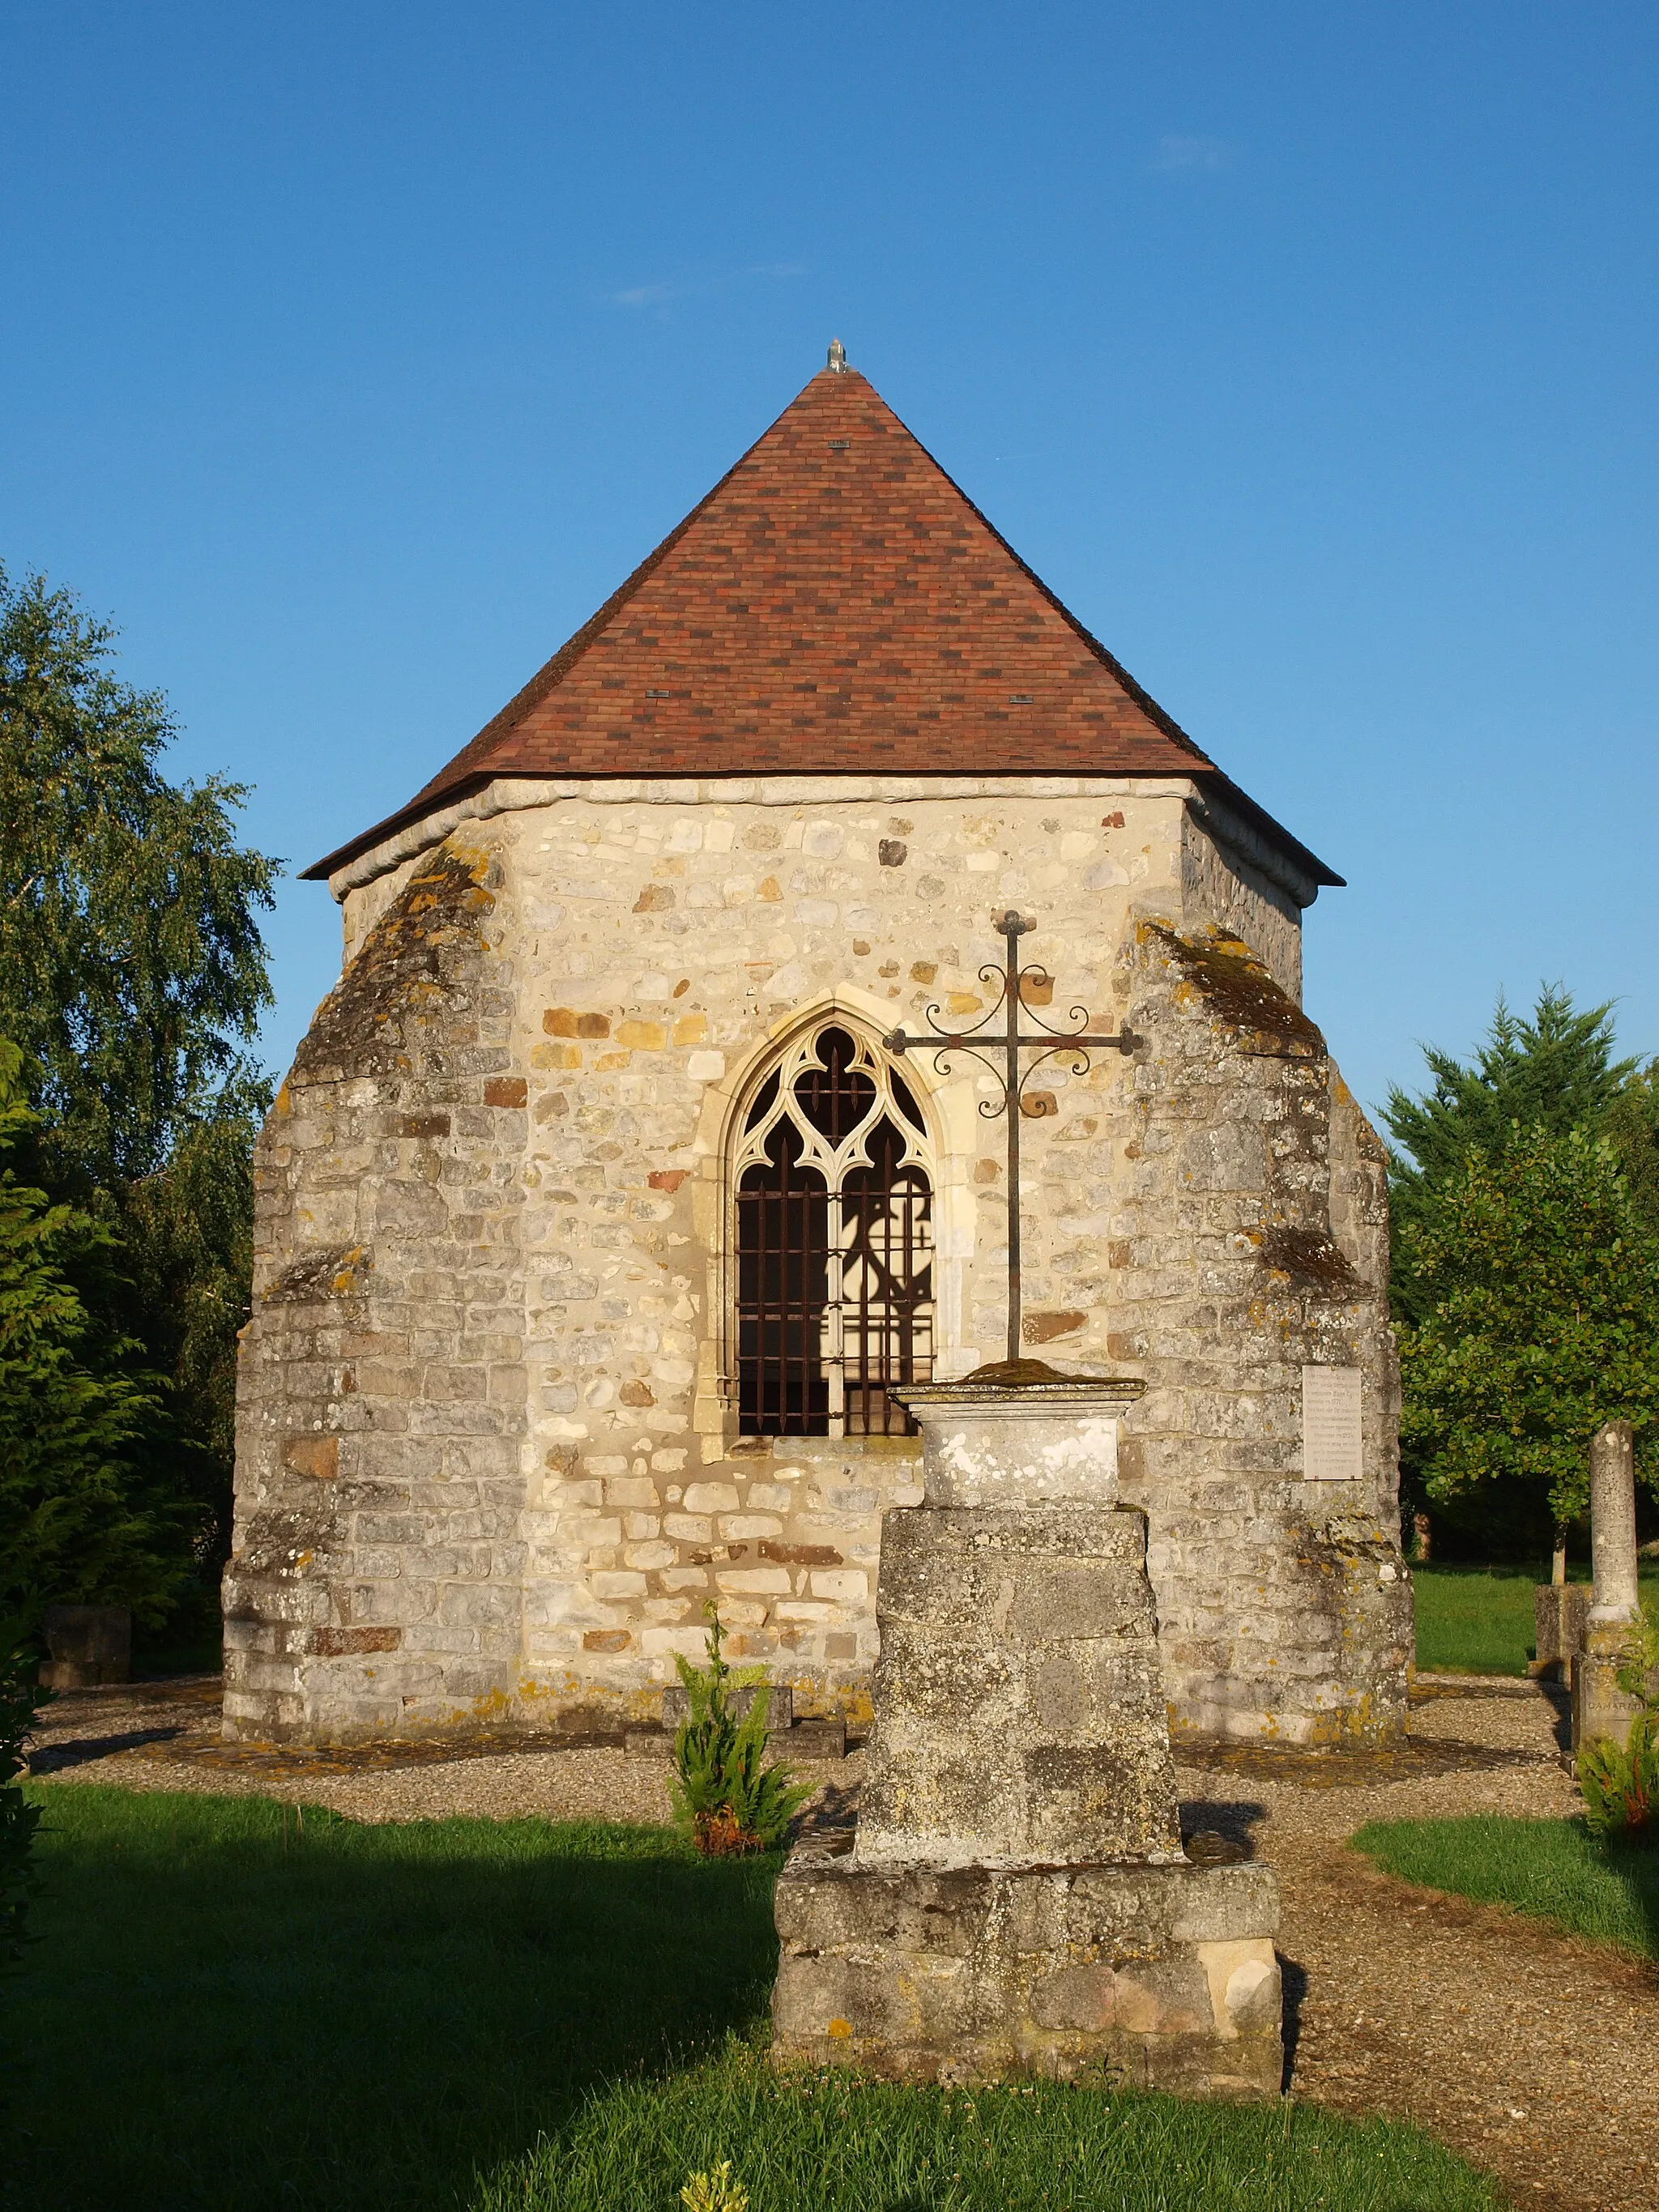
point(835, 605)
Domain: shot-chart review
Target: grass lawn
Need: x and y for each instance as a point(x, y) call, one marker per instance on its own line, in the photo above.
point(1479, 1621)
point(1552, 1869)
point(228, 2009)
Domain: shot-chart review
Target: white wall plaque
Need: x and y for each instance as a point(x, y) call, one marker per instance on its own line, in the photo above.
point(1330, 1425)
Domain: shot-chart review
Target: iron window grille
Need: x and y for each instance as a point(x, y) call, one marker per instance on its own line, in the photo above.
point(835, 1244)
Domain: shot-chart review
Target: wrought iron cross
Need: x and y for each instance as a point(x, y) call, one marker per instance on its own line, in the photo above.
point(1046, 1042)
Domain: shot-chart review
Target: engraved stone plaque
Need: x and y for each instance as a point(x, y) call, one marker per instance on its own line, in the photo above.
point(1330, 1425)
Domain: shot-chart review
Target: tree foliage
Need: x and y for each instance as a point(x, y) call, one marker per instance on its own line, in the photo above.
point(187, 1247)
point(1631, 1122)
point(1555, 1073)
point(132, 972)
point(80, 1522)
point(1462, 1153)
point(1538, 1287)
point(131, 966)
point(20, 1697)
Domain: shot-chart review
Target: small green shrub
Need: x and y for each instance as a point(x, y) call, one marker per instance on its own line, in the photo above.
point(715, 2191)
point(724, 1792)
point(20, 1700)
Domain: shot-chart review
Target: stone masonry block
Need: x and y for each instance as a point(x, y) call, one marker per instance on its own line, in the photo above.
point(912, 1974)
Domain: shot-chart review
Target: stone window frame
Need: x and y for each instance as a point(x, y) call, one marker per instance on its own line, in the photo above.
point(954, 1136)
point(893, 1101)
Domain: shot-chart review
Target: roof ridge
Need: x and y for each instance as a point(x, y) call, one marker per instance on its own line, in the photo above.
point(1142, 697)
point(548, 675)
point(842, 607)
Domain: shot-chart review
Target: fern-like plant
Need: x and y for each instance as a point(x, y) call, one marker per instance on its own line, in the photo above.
point(724, 1791)
point(1619, 1784)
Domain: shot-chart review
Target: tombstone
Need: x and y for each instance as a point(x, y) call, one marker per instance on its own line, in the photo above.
point(1600, 1708)
point(87, 1643)
point(1559, 1612)
point(1017, 1901)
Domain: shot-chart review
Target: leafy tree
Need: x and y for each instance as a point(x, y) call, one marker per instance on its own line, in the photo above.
point(131, 967)
point(1538, 1288)
point(1551, 1074)
point(1555, 1073)
point(75, 1409)
point(187, 1245)
point(132, 973)
point(1632, 1123)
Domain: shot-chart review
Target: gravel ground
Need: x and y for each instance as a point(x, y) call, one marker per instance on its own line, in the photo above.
point(1534, 2055)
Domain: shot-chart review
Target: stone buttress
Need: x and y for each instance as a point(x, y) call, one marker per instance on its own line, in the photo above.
point(376, 1583)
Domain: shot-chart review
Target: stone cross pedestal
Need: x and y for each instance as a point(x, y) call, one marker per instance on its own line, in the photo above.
point(1017, 1901)
point(1600, 1708)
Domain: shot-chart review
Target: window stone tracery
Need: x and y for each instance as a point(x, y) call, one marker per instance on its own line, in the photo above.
point(834, 1242)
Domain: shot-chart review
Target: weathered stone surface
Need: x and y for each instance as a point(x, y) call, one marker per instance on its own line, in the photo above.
point(1613, 1523)
point(1558, 1613)
point(1602, 1710)
point(988, 1446)
point(1162, 1975)
point(375, 1585)
point(513, 1321)
point(87, 1645)
point(1019, 1708)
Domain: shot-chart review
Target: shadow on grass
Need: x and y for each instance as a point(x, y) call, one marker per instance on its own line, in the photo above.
point(235, 2004)
point(1635, 1859)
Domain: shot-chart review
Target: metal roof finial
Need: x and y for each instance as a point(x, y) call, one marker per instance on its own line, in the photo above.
point(837, 357)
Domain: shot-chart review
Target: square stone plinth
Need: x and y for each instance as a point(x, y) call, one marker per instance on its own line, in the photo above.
point(1020, 1714)
point(1164, 1977)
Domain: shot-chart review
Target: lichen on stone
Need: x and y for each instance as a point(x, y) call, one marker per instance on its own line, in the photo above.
point(1236, 988)
point(401, 971)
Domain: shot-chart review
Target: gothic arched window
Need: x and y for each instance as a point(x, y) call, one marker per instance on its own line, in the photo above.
point(835, 1244)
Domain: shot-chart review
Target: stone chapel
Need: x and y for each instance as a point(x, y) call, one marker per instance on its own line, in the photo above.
point(596, 1222)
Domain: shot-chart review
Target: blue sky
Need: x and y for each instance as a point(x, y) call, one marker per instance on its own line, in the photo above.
point(355, 354)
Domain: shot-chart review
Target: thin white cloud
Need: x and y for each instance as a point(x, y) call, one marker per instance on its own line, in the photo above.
point(663, 296)
point(646, 295)
point(1176, 153)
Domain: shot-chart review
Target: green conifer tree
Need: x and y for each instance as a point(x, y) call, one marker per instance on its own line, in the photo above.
point(132, 973)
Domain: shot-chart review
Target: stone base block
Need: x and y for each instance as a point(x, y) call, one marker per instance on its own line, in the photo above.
point(803, 1739)
point(1558, 1611)
point(1601, 1709)
point(812, 1739)
point(88, 1644)
point(1164, 1977)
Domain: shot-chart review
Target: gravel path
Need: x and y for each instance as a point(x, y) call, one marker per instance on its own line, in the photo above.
point(1534, 2056)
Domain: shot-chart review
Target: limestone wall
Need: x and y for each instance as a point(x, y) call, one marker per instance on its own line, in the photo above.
point(532, 1503)
point(1251, 1239)
point(1228, 877)
point(375, 1582)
